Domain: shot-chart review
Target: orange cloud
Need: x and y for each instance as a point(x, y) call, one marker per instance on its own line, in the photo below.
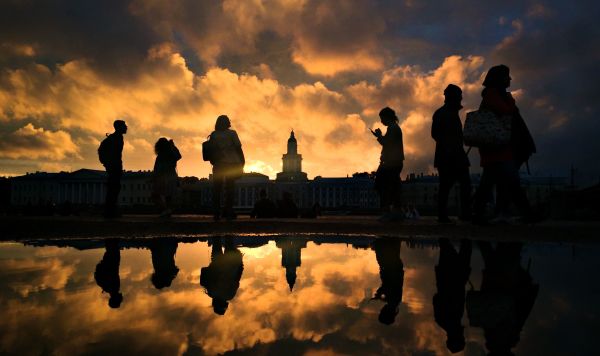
point(30, 142)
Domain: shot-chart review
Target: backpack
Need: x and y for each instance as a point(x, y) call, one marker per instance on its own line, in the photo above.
point(104, 151)
point(209, 150)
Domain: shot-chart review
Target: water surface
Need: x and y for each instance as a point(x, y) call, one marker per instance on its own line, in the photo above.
point(298, 296)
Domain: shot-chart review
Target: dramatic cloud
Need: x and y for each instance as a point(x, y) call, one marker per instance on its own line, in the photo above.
point(322, 68)
point(33, 143)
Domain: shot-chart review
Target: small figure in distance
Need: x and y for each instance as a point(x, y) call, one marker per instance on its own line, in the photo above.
point(227, 167)
point(165, 180)
point(264, 208)
point(286, 208)
point(110, 153)
point(107, 273)
point(501, 163)
point(451, 160)
point(387, 178)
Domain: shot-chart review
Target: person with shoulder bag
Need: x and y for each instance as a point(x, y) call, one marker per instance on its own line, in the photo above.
point(501, 162)
point(227, 158)
point(109, 154)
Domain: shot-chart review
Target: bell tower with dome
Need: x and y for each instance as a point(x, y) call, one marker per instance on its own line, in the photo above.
point(292, 163)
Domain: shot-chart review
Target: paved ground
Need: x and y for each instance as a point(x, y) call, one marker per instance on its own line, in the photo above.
point(18, 228)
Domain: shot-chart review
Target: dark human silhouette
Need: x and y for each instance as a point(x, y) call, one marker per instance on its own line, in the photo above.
point(501, 163)
point(110, 152)
point(264, 208)
point(286, 208)
point(451, 276)
point(228, 165)
point(391, 272)
point(222, 276)
point(291, 258)
point(450, 157)
point(387, 178)
point(163, 260)
point(107, 273)
point(505, 299)
point(165, 179)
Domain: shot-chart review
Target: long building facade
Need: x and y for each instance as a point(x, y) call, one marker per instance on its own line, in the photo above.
point(86, 187)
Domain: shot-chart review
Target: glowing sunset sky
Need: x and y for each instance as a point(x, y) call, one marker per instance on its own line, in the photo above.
point(324, 68)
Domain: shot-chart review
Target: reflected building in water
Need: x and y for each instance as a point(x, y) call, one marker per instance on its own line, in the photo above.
point(291, 257)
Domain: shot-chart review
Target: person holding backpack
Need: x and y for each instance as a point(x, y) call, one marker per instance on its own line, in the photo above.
point(228, 165)
point(110, 153)
point(501, 163)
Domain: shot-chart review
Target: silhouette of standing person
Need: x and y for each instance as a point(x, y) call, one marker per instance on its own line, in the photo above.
point(451, 276)
point(227, 167)
point(387, 178)
point(165, 180)
point(506, 298)
point(450, 157)
point(110, 152)
point(107, 273)
point(221, 278)
point(501, 163)
point(391, 272)
point(163, 261)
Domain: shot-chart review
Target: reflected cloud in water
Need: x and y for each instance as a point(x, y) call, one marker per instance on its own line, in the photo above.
point(318, 295)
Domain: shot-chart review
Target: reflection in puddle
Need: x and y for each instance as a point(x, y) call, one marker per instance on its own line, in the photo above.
point(317, 295)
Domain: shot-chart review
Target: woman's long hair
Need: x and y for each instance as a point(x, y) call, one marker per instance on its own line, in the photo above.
point(389, 115)
point(222, 123)
point(497, 77)
point(161, 146)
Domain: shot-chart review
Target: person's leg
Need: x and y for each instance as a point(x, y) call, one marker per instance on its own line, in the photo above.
point(382, 185)
point(484, 191)
point(217, 190)
point(446, 179)
point(514, 190)
point(464, 180)
point(229, 195)
point(396, 189)
point(113, 187)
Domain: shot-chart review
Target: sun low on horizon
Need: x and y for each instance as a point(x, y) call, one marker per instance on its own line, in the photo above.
point(323, 69)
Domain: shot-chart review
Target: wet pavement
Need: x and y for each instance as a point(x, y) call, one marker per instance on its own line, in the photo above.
point(298, 294)
point(22, 228)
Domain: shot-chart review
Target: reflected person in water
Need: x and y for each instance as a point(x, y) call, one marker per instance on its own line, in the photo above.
point(451, 276)
point(391, 271)
point(222, 276)
point(506, 298)
point(107, 273)
point(163, 260)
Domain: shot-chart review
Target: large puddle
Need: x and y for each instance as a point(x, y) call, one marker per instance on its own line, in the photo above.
point(298, 296)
